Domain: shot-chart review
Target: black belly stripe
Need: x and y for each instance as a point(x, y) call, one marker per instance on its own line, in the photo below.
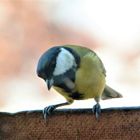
point(59, 81)
point(71, 94)
point(76, 96)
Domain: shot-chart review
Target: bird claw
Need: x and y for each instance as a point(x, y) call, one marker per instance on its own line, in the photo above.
point(48, 110)
point(97, 110)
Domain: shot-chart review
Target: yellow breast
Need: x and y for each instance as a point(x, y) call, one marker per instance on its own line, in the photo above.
point(90, 79)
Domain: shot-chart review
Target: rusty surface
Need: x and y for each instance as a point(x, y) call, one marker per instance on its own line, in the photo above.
point(80, 124)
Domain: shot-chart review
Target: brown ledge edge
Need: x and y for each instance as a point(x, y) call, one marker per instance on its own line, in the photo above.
point(74, 124)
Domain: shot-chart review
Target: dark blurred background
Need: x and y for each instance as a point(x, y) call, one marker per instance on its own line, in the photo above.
point(30, 27)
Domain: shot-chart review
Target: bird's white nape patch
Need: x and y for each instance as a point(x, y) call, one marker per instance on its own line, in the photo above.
point(65, 61)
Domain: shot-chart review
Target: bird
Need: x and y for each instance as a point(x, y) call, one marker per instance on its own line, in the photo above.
point(77, 73)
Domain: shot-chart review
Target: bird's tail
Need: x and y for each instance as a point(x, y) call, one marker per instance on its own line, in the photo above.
point(109, 93)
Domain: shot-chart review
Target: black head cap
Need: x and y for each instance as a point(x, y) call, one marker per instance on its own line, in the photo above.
point(47, 63)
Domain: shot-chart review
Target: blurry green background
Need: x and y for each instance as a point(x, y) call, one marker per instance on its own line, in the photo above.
point(29, 27)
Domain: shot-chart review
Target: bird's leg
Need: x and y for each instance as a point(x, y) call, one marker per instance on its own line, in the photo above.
point(49, 109)
point(97, 108)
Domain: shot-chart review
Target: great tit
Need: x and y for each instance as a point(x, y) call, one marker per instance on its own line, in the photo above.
point(77, 73)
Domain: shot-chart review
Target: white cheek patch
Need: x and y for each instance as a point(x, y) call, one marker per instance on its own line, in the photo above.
point(65, 61)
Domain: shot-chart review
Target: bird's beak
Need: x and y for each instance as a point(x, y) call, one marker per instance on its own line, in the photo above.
point(49, 83)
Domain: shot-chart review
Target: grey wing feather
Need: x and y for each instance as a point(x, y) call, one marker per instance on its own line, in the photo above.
point(109, 93)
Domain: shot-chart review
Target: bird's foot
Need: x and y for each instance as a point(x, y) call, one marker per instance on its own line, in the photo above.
point(48, 110)
point(97, 110)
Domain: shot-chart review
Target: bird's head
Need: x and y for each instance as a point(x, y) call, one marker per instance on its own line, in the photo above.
point(57, 62)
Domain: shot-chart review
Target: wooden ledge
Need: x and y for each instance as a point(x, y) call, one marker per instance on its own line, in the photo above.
point(72, 124)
